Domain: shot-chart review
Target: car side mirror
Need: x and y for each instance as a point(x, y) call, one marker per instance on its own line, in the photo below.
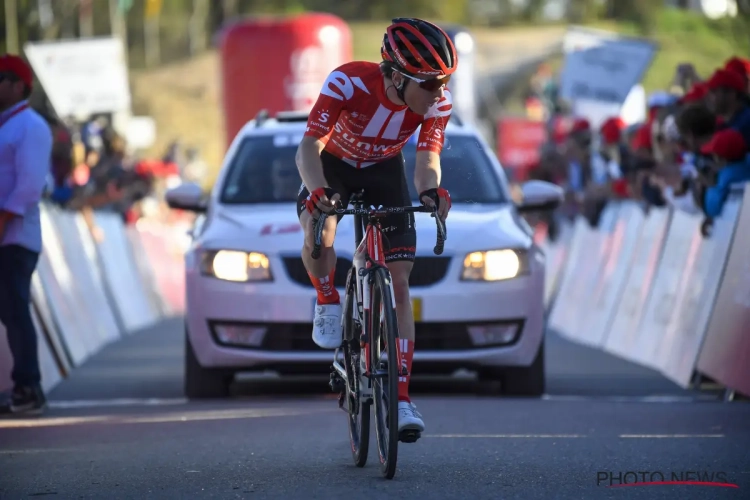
point(540, 196)
point(186, 196)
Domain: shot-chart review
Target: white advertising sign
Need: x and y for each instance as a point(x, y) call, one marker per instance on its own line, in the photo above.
point(82, 77)
point(601, 66)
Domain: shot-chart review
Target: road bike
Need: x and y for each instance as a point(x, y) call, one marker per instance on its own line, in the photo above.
point(361, 372)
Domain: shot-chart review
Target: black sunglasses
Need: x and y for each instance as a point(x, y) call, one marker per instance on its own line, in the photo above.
point(431, 85)
point(9, 76)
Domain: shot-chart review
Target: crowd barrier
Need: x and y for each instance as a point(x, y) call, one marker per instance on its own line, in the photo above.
point(651, 289)
point(93, 286)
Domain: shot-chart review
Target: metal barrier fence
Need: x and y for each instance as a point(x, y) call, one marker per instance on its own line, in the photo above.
point(90, 290)
point(650, 288)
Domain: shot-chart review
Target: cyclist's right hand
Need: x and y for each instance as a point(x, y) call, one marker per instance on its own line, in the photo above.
point(321, 199)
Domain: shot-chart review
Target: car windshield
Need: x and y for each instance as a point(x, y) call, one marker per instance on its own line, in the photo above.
point(264, 171)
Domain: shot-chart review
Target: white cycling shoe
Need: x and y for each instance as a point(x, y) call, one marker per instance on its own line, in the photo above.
point(409, 418)
point(327, 326)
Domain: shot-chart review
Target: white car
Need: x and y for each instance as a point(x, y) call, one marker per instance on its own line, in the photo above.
point(249, 306)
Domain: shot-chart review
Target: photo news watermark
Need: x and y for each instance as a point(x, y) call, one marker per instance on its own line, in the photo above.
point(615, 479)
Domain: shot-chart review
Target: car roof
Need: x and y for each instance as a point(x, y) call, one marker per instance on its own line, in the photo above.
point(294, 121)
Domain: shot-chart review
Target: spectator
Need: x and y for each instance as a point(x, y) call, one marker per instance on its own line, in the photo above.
point(742, 68)
point(728, 98)
point(696, 125)
point(731, 165)
point(25, 155)
point(613, 154)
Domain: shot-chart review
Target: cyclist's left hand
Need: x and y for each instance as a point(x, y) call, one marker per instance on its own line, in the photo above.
point(439, 197)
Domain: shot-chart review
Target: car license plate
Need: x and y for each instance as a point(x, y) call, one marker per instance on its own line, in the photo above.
point(416, 307)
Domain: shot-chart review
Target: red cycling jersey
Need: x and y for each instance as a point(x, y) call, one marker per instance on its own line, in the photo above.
point(359, 124)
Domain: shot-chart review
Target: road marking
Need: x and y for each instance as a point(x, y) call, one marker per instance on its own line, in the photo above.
point(43, 450)
point(187, 416)
point(100, 403)
point(507, 436)
point(632, 399)
point(670, 436)
point(572, 436)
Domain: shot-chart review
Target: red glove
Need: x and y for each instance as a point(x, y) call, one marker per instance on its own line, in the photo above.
point(311, 203)
point(440, 196)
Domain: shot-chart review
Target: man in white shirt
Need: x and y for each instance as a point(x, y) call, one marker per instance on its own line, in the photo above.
point(25, 154)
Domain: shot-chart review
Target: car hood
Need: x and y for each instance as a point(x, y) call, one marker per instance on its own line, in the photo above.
point(275, 229)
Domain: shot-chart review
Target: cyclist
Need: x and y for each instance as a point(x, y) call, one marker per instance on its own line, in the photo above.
point(364, 115)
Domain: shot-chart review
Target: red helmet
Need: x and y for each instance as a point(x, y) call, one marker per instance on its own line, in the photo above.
point(417, 47)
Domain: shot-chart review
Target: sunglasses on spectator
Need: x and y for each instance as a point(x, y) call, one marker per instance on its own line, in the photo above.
point(431, 85)
point(8, 76)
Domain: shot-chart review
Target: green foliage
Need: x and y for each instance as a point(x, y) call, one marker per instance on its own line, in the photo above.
point(683, 35)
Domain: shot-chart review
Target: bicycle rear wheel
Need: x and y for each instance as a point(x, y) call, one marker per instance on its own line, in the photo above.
point(383, 334)
point(358, 413)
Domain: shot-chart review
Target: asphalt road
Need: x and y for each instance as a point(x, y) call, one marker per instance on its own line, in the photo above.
point(119, 428)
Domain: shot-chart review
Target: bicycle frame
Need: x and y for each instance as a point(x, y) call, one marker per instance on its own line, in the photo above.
point(368, 238)
point(369, 255)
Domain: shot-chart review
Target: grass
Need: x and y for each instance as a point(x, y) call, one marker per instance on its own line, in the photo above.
point(686, 37)
point(683, 37)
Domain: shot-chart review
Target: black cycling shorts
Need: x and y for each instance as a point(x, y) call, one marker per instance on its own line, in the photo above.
point(384, 184)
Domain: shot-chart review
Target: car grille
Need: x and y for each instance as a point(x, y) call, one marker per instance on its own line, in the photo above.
point(447, 336)
point(430, 337)
point(427, 271)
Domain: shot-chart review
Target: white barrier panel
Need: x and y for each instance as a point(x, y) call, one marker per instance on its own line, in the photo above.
point(122, 274)
point(562, 315)
point(556, 255)
point(725, 354)
point(48, 363)
point(680, 343)
point(48, 366)
point(623, 337)
point(96, 270)
point(588, 251)
point(93, 303)
point(671, 281)
point(615, 270)
point(50, 325)
point(165, 247)
point(596, 303)
point(64, 297)
point(144, 271)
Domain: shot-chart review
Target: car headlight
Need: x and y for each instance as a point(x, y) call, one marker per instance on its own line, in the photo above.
point(234, 265)
point(494, 265)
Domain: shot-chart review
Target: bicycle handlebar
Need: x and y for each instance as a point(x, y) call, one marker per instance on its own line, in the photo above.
point(318, 223)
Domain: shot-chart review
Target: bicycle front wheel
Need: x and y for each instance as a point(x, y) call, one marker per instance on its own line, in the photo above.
point(385, 365)
point(358, 412)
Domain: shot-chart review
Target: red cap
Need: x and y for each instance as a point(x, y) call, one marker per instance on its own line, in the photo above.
point(738, 65)
point(727, 144)
point(642, 138)
point(695, 94)
point(612, 129)
point(17, 66)
point(723, 78)
point(580, 125)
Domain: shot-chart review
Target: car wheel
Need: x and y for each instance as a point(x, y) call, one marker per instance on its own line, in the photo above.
point(517, 380)
point(202, 382)
point(526, 380)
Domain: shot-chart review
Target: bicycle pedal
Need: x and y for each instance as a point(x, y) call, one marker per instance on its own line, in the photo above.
point(409, 436)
